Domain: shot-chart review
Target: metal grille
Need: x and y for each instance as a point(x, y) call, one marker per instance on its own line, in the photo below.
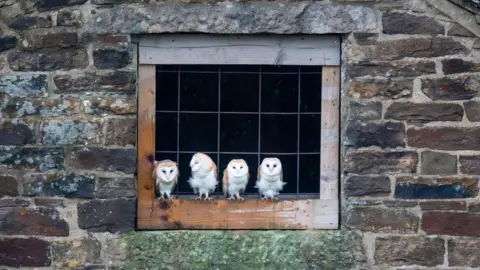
point(284, 101)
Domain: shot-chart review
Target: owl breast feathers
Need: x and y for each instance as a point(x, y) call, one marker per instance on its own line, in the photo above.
point(270, 178)
point(204, 175)
point(166, 174)
point(235, 178)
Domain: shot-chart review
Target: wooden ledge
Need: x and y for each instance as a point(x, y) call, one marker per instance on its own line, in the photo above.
point(250, 214)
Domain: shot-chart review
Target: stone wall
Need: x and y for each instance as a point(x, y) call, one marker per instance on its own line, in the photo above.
point(410, 155)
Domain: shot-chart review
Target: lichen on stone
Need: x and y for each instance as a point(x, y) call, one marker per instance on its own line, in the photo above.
point(242, 250)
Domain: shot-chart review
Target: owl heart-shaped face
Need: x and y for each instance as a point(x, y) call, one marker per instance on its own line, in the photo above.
point(237, 168)
point(167, 173)
point(271, 166)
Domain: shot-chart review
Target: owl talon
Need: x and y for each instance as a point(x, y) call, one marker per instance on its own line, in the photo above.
point(199, 198)
point(274, 199)
point(241, 199)
point(231, 198)
point(264, 199)
point(208, 199)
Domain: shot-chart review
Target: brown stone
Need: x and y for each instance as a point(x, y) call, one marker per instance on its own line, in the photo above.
point(120, 187)
point(112, 56)
point(452, 66)
point(444, 205)
point(424, 112)
point(451, 223)
point(114, 81)
point(409, 250)
point(49, 202)
point(26, 221)
point(384, 135)
point(367, 186)
point(107, 215)
point(458, 30)
point(13, 203)
point(464, 252)
point(365, 110)
point(407, 47)
point(474, 207)
point(438, 163)
point(110, 105)
point(96, 158)
point(367, 87)
point(42, 39)
point(470, 164)
point(370, 219)
point(402, 68)
point(404, 23)
point(76, 253)
point(9, 185)
point(48, 60)
point(472, 110)
point(374, 162)
point(365, 38)
point(24, 252)
point(459, 87)
point(121, 131)
point(445, 138)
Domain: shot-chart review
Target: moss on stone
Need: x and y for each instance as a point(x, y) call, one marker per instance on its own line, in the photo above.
point(242, 250)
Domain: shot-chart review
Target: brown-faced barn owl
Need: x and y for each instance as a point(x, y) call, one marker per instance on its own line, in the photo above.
point(235, 178)
point(270, 178)
point(166, 174)
point(204, 175)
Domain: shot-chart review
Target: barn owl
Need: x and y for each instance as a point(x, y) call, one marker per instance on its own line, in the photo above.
point(270, 178)
point(166, 174)
point(204, 175)
point(235, 178)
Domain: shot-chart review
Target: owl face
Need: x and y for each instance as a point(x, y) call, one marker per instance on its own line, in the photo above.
point(166, 171)
point(271, 166)
point(237, 167)
point(199, 161)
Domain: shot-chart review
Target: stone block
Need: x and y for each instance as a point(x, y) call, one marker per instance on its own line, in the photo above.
point(367, 87)
point(48, 4)
point(110, 105)
point(438, 163)
point(121, 131)
point(375, 162)
point(401, 68)
point(472, 110)
point(404, 23)
point(9, 185)
point(464, 252)
point(409, 250)
point(424, 112)
point(408, 187)
point(24, 22)
point(24, 85)
point(443, 205)
point(17, 133)
point(29, 221)
point(58, 184)
point(367, 186)
point(458, 87)
point(20, 107)
point(116, 215)
point(70, 18)
point(371, 219)
point(14, 203)
point(365, 110)
point(96, 158)
point(470, 164)
point(120, 187)
point(460, 31)
point(8, 42)
point(48, 60)
point(365, 38)
point(49, 202)
point(444, 138)
point(451, 223)
point(24, 158)
point(42, 39)
point(24, 252)
point(112, 56)
point(76, 253)
point(384, 135)
point(113, 81)
point(452, 66)
point(71, 131)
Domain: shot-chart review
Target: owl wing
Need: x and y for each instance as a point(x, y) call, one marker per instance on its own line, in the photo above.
point(214, 168)
point(225, 181)
point(259, 172)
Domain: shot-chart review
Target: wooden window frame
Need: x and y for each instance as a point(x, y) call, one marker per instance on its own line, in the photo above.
point(321, 213)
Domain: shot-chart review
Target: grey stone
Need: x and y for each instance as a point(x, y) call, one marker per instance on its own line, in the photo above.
point(402, 68)
point(76, 253)
point(40, 159)
point(49, 202)
point(451, 66)
point(70, 18)
point(384, 135)
point(438, 163)
point(19, 107)
point(470, 164)
point(472, 110)
point(62, 185)
point(13, 202)
point(365, 38)
point(48, 60)
point(116, 215)
point(46, 39)
point(30, 22)
point(121, 131)
point(16, 133)
point(464, 252)
point(112, 81)
point(365, 110)
point(120, 187)
point(24, 85)
point(424, 112)
point(367, 185)
point(409, 250)
point(71, 132)
point(458, 30)
point(112, 56)
point(375, 162)
point(368, 87)
point(404, 23)
point(96, 158)
point(110, 105)
point(459, 87)
point(230, 18)
point(49, 4)
point(7, 42)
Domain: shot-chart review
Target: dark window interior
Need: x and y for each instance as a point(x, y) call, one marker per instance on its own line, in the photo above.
point(248, 112)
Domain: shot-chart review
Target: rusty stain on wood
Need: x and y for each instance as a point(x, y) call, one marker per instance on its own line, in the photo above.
point(251, 214)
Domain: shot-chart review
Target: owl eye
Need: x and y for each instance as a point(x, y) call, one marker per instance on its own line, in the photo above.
point(241, 167)
point(164, 171)
point(171, 171)
point(234, 167)
point(274, 165)
point(196, 162)
point(268, 165)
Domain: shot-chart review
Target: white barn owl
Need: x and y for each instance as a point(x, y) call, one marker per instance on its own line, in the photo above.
point(204, 175)
point(270, 178)
point(235, 178)
point(166, 174)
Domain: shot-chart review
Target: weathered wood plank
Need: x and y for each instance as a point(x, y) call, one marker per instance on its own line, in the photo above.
point(329, 157)
point(146, 138)
point(251, 214)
